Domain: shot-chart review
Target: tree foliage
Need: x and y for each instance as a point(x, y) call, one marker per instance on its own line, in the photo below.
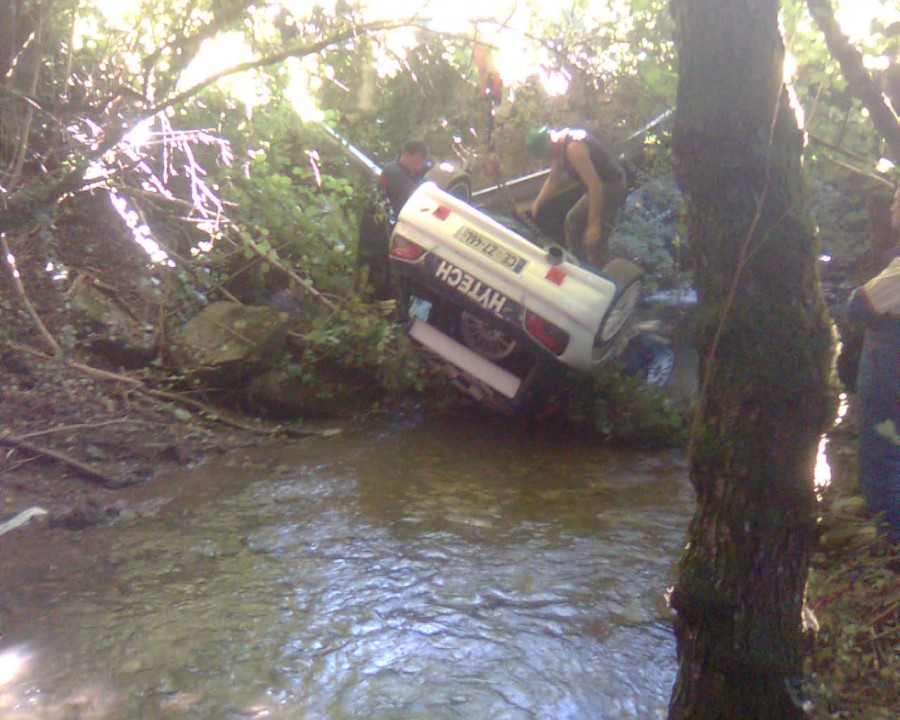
point(248, 196)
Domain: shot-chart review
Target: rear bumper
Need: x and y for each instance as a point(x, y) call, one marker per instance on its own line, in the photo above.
point(518, 387)
point(444, 346)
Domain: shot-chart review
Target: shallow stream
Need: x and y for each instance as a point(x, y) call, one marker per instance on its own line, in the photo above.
point(459, 568)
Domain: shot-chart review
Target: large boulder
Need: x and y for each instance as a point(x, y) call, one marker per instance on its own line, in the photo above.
point(284, 394)
point(232, 341)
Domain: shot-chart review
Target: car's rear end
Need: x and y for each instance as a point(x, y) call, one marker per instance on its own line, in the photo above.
point(506, 314)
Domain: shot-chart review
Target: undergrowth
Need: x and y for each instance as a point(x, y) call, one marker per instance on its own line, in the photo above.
point(854, 591)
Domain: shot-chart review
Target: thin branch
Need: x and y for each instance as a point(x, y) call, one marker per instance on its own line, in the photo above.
point(88, 471)
point(861, 83)
point(16, 58)
point(884, 613)
point(869, 175)
point(306, 284)
point(210, 412)
point(82, 426)
point(230, 13)
point(294, 51)
point(838, 149)
point(22, 151)
point(23, 296)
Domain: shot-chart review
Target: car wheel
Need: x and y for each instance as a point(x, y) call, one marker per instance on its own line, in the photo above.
point(485, 339)
point(660, 367)
point(629, 277)
point(620, 312)
point(460, 188)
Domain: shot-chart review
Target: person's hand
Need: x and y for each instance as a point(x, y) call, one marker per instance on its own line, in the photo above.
point(591, 236)
point(594, 252)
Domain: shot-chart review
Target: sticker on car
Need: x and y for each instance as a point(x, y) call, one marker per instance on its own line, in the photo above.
point(465, 283)
point(490, 249)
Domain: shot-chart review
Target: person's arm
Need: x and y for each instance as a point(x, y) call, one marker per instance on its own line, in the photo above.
point(549, 186)
point(579, 156)
point(879, 296)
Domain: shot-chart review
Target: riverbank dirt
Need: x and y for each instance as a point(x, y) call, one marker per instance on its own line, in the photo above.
point(90, 452)
point(73, 444)
point(88, 412)
point(84, 435)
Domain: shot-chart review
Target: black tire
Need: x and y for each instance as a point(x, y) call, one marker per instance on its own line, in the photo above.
point(460, 187)
point(452, 178)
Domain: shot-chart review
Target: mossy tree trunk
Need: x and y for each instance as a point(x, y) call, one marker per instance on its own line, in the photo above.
point(765, 342)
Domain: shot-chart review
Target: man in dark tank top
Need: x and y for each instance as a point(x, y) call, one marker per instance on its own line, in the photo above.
point(592, 165)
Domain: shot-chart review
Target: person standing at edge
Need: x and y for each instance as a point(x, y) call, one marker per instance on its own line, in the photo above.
point(403, 174)
point(589, 162)
point(398, 179)
point(876, 305)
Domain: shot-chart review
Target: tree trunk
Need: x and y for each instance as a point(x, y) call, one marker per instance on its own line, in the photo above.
point(765, 344)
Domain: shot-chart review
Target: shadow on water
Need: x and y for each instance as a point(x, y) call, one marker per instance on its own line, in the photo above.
point(440, 568)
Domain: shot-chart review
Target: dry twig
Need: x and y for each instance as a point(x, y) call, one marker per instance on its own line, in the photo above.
point(210, 412)
point(23, 296)
point(88, 471)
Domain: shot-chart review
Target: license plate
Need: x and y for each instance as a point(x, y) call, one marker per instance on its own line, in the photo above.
point(419, 308)
point(495, 252)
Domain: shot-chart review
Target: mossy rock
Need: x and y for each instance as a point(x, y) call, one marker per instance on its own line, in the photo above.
point(109, 329)
point(282, 394)
point(232, 339)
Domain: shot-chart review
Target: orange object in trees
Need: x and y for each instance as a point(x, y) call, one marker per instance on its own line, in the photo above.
point(491, 82)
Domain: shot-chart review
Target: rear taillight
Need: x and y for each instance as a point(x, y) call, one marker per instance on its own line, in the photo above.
point(555, 339)
point(404, 249)
point(556, 275)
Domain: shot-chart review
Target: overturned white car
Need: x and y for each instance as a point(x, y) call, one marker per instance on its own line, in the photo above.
point(507, 316)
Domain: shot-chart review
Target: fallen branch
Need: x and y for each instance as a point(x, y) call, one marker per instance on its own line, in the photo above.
point(276, 263)
point(83, 426)
point(217, 415)
point(88, 471)
point(212, 413)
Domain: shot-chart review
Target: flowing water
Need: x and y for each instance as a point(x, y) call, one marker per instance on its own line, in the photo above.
point(449, 568)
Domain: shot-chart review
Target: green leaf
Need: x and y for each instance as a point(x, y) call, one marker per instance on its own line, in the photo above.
point(182, 414)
